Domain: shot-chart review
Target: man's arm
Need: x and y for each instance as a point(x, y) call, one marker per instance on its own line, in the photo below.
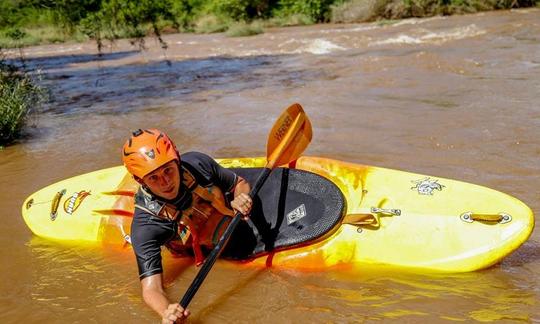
point(154, 296)
point(242, 186)
point(242, 202)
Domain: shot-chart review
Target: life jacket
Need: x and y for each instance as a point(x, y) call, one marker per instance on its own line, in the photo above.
point(201, 223)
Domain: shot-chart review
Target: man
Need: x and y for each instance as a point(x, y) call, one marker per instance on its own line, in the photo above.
point(184, 203)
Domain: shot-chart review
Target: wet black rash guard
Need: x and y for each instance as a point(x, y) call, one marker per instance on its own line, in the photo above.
point(149, 233)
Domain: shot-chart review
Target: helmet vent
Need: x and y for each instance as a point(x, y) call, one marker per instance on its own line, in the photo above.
point(151, 154)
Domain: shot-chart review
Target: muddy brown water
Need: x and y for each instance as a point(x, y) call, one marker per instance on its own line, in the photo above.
point(453, 97)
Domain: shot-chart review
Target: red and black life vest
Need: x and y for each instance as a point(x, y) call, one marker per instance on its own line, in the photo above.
point(201, 223)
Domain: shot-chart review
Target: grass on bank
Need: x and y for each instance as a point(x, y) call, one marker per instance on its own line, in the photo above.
point(235, 17)
point(214, 24)
point(209, 24)
point(244, 29)
point(20, 98)
point(291, 20)
point(23, 37)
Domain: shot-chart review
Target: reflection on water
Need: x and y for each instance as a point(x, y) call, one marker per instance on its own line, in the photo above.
point(64, 277)
point(81, 279)
point(454, 97)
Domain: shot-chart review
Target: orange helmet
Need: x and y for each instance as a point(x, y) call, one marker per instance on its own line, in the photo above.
point(148, 150)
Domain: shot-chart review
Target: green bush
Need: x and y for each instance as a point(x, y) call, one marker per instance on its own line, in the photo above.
point(16, 37)
point(184, 13)
point(317, 10)
point(210, 24)
point(238, 10)
point(243, 29)
point(294, 20)
point(23, 13)
point(20, 97)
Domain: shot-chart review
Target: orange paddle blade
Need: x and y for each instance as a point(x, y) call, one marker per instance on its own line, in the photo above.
point(289, 137)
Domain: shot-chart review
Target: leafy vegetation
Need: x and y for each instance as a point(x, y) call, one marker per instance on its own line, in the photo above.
point(243, 29)
point(20, 98)
point(46, 21)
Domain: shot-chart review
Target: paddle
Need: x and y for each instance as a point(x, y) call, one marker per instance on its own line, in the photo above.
point(287, 140)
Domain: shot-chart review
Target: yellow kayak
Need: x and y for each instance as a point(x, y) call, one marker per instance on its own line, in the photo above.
point(386, 217)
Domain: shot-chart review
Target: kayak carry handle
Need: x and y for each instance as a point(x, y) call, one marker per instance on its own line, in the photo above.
point(56, 203)
point(372, 218)
point(386, 212)
point(501, 218)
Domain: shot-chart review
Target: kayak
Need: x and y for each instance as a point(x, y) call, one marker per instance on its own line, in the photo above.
point(315, 214)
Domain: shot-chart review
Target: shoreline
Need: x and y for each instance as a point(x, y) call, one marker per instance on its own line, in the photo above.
point(13, 52)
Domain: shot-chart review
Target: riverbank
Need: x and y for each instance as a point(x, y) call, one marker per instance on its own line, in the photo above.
point(28, 25)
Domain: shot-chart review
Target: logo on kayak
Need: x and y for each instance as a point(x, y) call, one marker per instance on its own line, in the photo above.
point(71, 204)
point(427, 186)
point(298, 213)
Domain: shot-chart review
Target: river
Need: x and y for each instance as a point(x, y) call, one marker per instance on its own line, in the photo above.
point(455, 97)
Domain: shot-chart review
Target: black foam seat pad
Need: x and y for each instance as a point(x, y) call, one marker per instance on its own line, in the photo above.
point(293, 208)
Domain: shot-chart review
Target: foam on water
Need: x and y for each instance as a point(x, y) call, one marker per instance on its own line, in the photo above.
point(416, 21)
point(314, 46)
point(360, 28)
point(44, 50)
point(434, 37)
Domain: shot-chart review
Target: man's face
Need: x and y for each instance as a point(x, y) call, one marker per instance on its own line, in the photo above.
point(164, 181)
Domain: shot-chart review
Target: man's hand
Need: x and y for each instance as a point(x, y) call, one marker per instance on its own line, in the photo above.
point(242, 203)
point(174, 314)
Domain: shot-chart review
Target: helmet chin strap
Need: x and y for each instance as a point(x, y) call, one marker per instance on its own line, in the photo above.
point(182, 190)
point(183, 198)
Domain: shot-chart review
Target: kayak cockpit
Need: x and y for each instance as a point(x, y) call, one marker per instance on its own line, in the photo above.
point(294, 208)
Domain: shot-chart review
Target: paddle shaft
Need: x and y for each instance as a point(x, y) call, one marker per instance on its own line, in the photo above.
point(212, 257)
point(288, 138)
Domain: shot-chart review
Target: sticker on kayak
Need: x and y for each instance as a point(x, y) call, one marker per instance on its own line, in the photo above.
point(298, 213)
point(426, 186)
point(71, 204)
